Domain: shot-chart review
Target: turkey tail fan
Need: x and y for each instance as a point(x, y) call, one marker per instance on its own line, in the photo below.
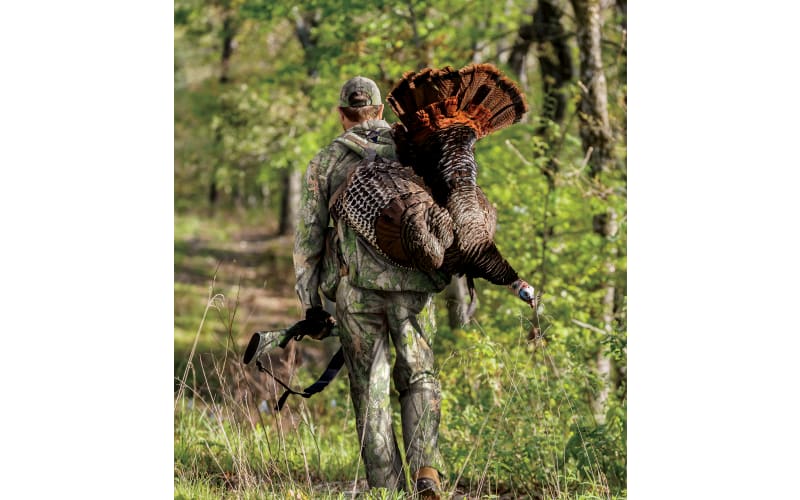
point(478, 96)
point(488, 88)
point(417, 90)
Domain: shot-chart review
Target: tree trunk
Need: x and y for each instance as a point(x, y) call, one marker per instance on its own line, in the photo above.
point(213, 192)
point(555, 62)
point(593, 107)
point(597, 143)
point(555, 67)
point(291, 201)
point(518, 57)
point(228, 32)
point(622, 6)
point(456, 296)
point(304, 24)
point(229, 28)
point(604, 367)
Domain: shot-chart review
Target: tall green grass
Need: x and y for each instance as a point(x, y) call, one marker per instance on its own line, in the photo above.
point(517, 420)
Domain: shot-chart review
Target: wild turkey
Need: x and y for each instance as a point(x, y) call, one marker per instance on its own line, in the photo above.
point(427, 211)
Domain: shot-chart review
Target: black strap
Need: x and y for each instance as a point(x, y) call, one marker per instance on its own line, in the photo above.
point(333, 368)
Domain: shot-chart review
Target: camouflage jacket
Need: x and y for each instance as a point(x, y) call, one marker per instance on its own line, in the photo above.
point(364, 267)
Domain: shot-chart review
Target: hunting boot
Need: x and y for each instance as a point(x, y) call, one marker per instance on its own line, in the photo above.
point(427, 483)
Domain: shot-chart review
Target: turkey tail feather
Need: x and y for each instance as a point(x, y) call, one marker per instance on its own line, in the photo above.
point(478, 96)
point(443, 112)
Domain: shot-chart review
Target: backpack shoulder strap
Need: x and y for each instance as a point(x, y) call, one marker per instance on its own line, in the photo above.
point(362, 147)
point(336, 194)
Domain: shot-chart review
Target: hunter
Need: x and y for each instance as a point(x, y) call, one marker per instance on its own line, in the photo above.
point(377, 304)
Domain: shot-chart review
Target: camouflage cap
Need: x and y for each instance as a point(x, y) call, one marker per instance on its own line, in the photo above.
point(359, 91)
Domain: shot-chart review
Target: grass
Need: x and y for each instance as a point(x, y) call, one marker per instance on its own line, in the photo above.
point(514, 424)
point(275, 454)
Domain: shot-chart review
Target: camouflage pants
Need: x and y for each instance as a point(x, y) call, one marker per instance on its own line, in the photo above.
point(367, 319)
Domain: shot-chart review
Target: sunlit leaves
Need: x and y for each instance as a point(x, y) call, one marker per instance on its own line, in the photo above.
point(279, 109)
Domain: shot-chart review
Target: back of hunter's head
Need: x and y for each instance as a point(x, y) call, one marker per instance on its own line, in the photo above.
point(358, 92)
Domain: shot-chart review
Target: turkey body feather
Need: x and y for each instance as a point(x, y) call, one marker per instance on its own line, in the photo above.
point(388, 205)
point(427, 211)
point(444, 113)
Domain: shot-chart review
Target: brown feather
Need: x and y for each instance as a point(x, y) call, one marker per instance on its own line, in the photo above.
point(388, 227)
point(478, 96)
point(489, 212)
point(446, 222)
point(390, 208)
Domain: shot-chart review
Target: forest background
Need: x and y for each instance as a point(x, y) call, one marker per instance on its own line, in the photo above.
point(256, 85)
point(88, 122)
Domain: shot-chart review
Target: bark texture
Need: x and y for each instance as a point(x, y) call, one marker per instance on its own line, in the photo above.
point(555, 62)
point(518, 57)
point(596, 138)
point(593, 107)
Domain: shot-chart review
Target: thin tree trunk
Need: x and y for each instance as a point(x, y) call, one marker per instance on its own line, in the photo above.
point(229, 28)
point(597, 143)
point(213, 193)
point(622, 6)
point(291, 201)
point(555, 62)
point(456, 295)
point(304, 24)
point(604, 366)
point(518, 57)
point(555, 67)
point(593, 107)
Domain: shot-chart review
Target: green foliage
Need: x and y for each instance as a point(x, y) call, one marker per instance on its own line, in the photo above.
point(518, 414)
point(277, 108)
point(519, 410)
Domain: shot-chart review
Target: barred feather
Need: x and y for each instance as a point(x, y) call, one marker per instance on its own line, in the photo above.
point(388, 206)
point(443, 113)
point(431, 213)
point(478, 96)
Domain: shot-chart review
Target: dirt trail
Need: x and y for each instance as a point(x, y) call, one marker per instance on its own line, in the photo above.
point(253, 270)
point(258, 270)
point(251, 273)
